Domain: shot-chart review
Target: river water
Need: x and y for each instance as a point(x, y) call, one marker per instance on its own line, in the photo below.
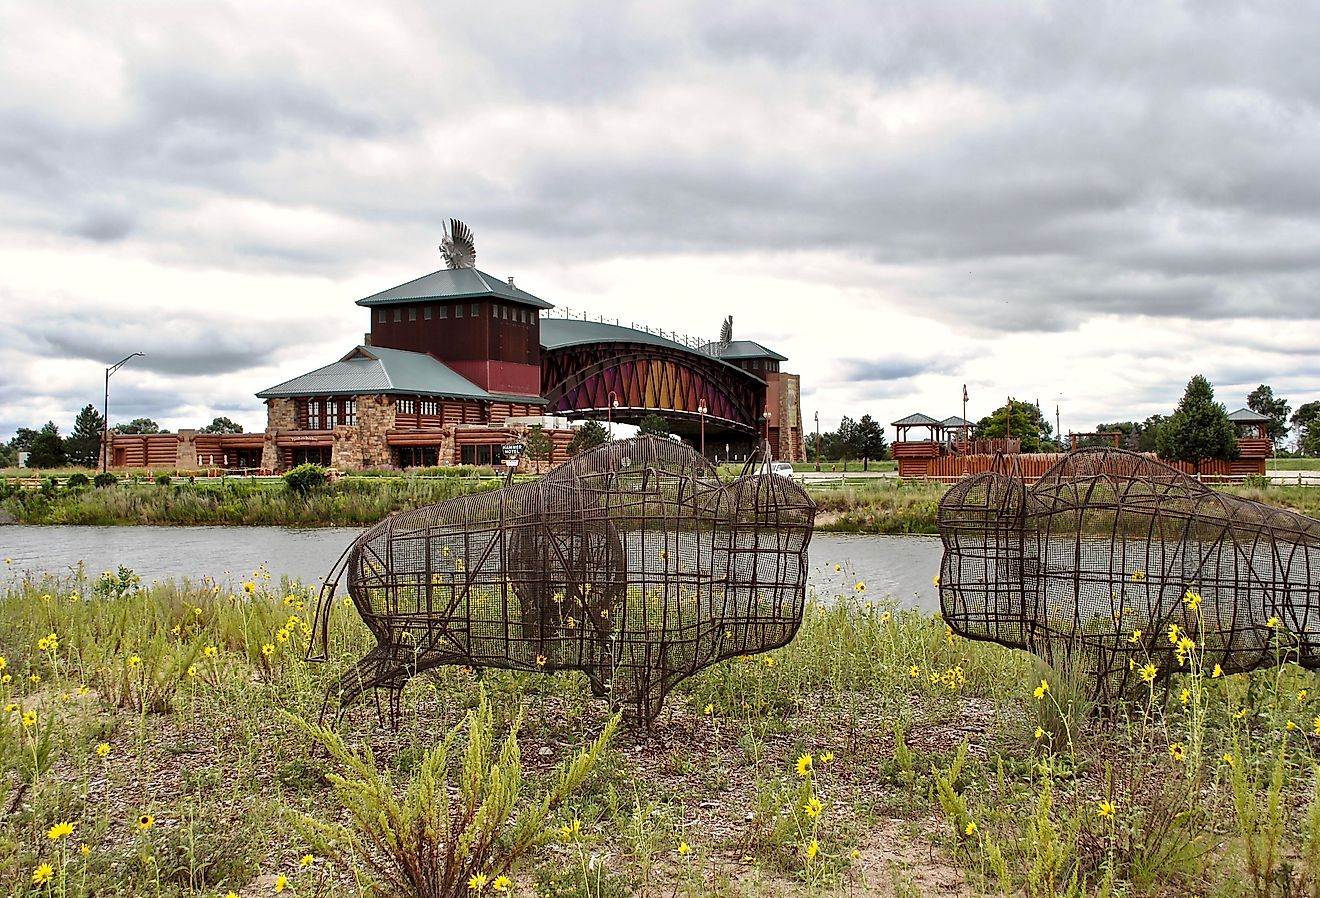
point(899, 568)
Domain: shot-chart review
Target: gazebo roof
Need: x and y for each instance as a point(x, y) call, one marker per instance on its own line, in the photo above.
point(956, 421)
point(1247, 416)
point(916, 420)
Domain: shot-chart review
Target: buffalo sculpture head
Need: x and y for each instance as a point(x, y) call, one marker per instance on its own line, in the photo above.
point(633, 563)
point(1129, 568)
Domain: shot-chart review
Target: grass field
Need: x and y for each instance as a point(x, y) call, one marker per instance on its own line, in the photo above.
point(152, 744)
point(1293, 464)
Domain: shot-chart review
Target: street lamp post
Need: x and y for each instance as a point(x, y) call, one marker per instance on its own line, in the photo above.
point(701, 410)
point(105, 409)
point(765, 417)
point(817, 441)
point(611, 405)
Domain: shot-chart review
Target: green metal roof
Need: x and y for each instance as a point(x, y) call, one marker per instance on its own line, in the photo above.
point(375, 369)
point(454, 283)
point(743, 349)
point(915, 420)
point(557, 333)
point(1248, 416)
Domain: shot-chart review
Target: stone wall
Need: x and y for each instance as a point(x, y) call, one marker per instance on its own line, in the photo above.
point(281, 414)
point(375, 417)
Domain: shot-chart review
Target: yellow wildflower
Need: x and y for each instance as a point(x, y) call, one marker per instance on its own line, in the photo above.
point(571, 829)
point(501, 883)
point(855, 854)
point(42, 874)
point(1173, 634)
point(1229, 759)
point(1273, 623)
point(145, 822)
point(769, 661)
point(914, 671)
point(1148, 673)
point(1217, 672)
point(1106, 809)
point(306, 860)
point(249, 587)
point(1185, 696)
point(970, 829)
point(60, 830)
point(684, 848)
point(29, 718)
point(1135, 637)
point(1290, 726)
point(1138, 576)
point(103, 749)
point(813, 807)
point(1040, 732)
point(936, 580)
point(1040, 690)
point(1176, 751)
point(280, 882)
point(134, 660)
point(84, 848)
point(540, 660)
point(1302, 694)
point(860, 587)
point(1316, 724)
point(268, 649)
point(210, 651)
point(803, 765)
point(813, 849)
point(709, 709)
point(826, 757)
point(1192, 600)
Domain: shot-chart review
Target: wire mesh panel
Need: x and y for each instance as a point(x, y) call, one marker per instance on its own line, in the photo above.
point(1130, 570)
point(633, 563)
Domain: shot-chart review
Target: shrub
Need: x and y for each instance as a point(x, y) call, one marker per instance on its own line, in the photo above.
point(105, 478)
point(305, 478)
point(163, 478)
point(77, 479)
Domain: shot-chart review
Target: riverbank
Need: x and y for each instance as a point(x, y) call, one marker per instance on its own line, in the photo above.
point(876, 506)
point(151, 746)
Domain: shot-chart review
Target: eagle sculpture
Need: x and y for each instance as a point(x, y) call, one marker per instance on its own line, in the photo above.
point(457, 246)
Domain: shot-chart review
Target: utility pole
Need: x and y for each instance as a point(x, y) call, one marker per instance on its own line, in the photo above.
point(105, 409)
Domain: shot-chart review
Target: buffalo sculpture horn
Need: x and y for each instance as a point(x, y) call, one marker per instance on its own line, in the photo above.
point(633, 563)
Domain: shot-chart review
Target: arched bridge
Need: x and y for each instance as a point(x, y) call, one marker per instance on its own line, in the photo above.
point(597, 370)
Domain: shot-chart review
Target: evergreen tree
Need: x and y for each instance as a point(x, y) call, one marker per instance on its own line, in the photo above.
point(653, 425)
point(1198, 429)
point(83, 444)
point(538, 446)
point(869, 439)
point(47, 449)
point(590, 435)
point(222, 425)
point(844, 443)
point(1261, 400)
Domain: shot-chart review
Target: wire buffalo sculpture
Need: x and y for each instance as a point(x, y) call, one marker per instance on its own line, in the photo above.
point(633, 563)
point(1129, 570)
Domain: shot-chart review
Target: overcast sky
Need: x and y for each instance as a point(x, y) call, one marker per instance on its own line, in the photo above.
point(1081, 203)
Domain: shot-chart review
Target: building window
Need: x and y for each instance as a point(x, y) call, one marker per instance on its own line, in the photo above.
point(458, 310)
point(398, 315)
point(430, 406)
point(476, 310)
point(381, 317)
point(478, 455)
point(444, 311)
point(412, 313)
point(417, 456)
point(311, 455)
point(426, 313)
point(405, 406)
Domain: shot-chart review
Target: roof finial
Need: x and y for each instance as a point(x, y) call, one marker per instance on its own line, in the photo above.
point(726, 332)
point(458, 248)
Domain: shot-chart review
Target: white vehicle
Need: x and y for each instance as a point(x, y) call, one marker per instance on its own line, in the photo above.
point(782, 468)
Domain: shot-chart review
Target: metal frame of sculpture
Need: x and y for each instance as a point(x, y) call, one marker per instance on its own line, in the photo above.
point(633, 563)
point(1129, 570)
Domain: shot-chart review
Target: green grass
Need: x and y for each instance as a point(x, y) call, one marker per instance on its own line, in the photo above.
point(912, 735)
point(1293, 464)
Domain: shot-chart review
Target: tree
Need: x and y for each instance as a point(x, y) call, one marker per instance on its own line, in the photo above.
point(22, 440)
point(83, 444)
point(869, 440)
point(139, 425)
point(1261, 400)
point(222, 425)
point(1027, 425)
point(538, 446)
point(1304, 421)
point(653, 425)
point(1198, 429)
point(590, 435)
point(47, 449)
point(843, 443)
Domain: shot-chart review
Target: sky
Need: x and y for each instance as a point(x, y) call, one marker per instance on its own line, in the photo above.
point(1081, 204)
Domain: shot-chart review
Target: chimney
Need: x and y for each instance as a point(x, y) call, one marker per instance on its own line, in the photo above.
point(366, 339)
point(510, 280)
